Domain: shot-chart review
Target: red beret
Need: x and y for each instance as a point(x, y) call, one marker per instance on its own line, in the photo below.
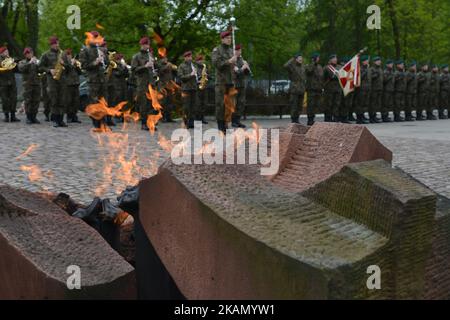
point(95, 34)
point(27, 50)
point(187, 54)
point(199, 57)
point(53, 40)
point(118, 56)
point(225, 34)
point(238, 47)
point(144, 40)
point(69, 51)
point(3, 49)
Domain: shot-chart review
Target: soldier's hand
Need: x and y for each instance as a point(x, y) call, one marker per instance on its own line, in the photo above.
point(232, 60)
point(236, 69)
point(52, 71)
point(149, 65)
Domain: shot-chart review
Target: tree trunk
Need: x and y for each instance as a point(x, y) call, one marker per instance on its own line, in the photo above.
point(396, 32)
point(32, 19)
point(6, 36)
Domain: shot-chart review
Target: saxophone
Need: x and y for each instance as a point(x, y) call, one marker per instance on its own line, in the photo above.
point(59, 67)
point(204, 78)
point(112, 65)
point(8, 64)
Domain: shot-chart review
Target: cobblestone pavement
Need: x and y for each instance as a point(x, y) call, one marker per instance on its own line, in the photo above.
point(82, 164)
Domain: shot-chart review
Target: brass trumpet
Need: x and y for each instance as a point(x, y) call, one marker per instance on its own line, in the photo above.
point(112, 65)
point(8, 64)
point(59, 67)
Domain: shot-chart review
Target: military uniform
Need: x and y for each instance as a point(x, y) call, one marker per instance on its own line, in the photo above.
point(444, 93)
point(240, 83)
point(71, 89)
point(362, 94)
point(224, 80)
point(202, 94)
point(376, 100)
point(399, 93)
point(433, 94)
point(332, 93)
point(423, 84)
point(314, 88)
point(95, 73)
point(388, 93)
point(165, 73)
point(48, 62)
point(189, 91)
point(297, 76)
point(8, 93)
point(117, 85)
point(32, 88)
point(144, 77)
point(411, 95)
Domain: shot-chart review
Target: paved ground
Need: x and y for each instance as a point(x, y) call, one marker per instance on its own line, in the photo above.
point(82, 164)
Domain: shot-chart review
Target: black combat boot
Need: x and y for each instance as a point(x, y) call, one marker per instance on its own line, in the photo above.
point(360, 119)
point(191, 124)
point(419, 115)
point(55, 119)
point(374, 118)
point(442, 115)
point(328, 117)
point(236, 122)
point(431, 116)
point(293, 120)
point(222, 126)
point(144, 125)
point(397, 117)
point(110, 121)
point(34, 118)
point(310, 120)
point(6, 117)
point(29, 119)
point(344, 119)
point(409, 117)
point(385, 117)
point(204, 120)
point(75, 119)
point(13, 117)
point(47, 117)
point(61, 122)
point(351, 117)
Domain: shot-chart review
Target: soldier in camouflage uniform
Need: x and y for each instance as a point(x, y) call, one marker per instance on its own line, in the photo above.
point(117, 83)
point(202, 94)
point(71, 86)
point(143, 68)
point(423, 84)
point(400, 90)
point(297, 76)
point(362, 94)
point(94, 60)
point(411, 91)
point(31, 84)
point(188, 76)
point(388, 91)
point(8, 89)
point(47, 64)
point(223, 59)
point(314, 87)
point(241, 74)
point(444, 93)
point(433, 92)
point(332, 90)
point(166, 76)
point(376, 94)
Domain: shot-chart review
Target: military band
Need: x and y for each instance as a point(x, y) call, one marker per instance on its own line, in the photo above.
point(54, 79)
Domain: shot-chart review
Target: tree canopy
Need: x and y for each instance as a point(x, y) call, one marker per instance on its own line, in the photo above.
point(271, 31)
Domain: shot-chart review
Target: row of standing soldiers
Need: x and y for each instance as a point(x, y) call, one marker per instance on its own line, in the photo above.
point(55, 78)
point(381, 90)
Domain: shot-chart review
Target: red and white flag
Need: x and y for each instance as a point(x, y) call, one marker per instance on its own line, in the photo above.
point(349, 75)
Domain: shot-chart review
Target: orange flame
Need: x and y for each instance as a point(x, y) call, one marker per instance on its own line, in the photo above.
point(34, 172)
point(101, 109)
point(154, 96)
point(230, 104)
point(91, 39)
point(30, 149)
point(162, 51)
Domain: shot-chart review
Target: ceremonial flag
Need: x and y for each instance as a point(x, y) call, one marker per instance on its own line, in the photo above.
point(350, 75)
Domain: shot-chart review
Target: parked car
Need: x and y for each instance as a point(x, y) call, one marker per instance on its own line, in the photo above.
point(279, 86)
